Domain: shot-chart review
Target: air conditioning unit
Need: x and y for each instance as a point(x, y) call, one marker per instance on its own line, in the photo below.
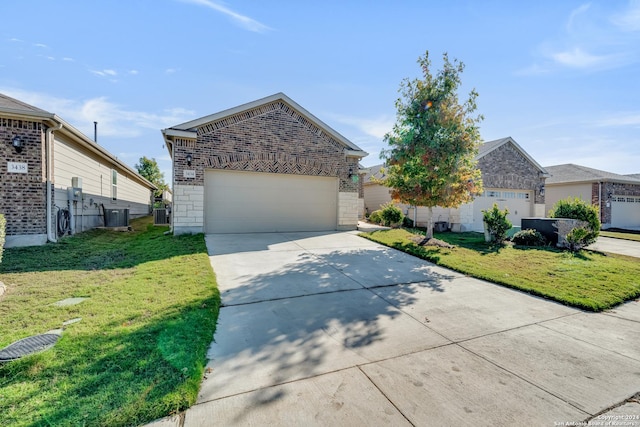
point(116, 217)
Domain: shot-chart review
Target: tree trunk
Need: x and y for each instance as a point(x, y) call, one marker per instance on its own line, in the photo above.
point(429, 233)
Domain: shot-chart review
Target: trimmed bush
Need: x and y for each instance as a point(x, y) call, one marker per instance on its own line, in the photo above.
point(407, 222)
point(375, 217)
point(529, 237)
point(577, 237)
point(391, 214)
point(497, 223)
point(576, 208)
point(3, 224)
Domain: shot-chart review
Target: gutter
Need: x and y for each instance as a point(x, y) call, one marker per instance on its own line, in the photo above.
point(48, 141)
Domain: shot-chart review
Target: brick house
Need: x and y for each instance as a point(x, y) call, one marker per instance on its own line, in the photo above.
point(54, 180)
point(265, 166)
point(617, 196)
point(511, 178)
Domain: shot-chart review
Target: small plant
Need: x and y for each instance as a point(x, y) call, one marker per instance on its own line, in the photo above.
point(529, 237)
point(407, 222)
point(3, 223)
point(391, 214)
point(497, 223)
point(577, 237)
point(375, 217)
point(576, 208)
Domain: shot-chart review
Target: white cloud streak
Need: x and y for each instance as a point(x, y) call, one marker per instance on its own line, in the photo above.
point(377, 127)
point(113, 119)
point(243, 21)
point(630, 19)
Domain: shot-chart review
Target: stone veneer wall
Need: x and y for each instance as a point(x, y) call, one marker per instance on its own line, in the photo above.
point(272, 138)
point(23, 196)
point(613, 189)
point(506, 167)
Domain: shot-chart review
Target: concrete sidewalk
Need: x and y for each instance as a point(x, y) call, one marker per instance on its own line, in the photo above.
point(332, 329)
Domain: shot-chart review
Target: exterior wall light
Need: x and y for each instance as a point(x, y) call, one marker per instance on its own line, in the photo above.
point(541, 189)
point(17, 143)
point(350, 172)
point(189, 159)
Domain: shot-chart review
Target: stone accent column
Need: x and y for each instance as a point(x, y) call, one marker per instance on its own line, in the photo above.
point(348, 204)
point(188, 211)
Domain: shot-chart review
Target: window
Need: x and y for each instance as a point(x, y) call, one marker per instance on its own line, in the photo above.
point(114, 184)
point(523, 196)
point(631, 199)
point(509, 194)
point(492, 193)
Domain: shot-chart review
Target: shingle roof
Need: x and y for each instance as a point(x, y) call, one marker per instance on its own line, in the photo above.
point(633, 175)
point(561, 174)
point(374, 171)
point(11, 104)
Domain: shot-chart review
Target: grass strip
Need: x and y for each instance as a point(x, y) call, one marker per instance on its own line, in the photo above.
point(139, 351)
point(587, 280)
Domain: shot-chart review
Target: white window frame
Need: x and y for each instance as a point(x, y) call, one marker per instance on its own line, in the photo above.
point(114, 184)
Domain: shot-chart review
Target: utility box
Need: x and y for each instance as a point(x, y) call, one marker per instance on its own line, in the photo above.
point(74, 194)
point(76, 182)
point(116, 217)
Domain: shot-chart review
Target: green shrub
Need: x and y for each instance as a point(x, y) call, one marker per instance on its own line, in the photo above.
point(3, 224)
point(407, 222)
point(577, 237)
point(497, 223)
point(529, 237)
point(576, 208)
point(391, 214)
point(375, 217)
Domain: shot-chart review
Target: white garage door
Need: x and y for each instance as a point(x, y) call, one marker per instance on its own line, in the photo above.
point(625, 211)
point(518, 202)
point(248, 202)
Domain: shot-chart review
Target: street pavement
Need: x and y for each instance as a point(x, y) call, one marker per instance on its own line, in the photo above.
point(332, 329)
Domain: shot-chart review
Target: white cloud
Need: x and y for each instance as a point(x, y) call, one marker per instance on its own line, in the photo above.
point(592, 40)
point(622, 119)
point(113, 119)
point(171, 70)
point(578, 58)
point(377, 127)
point(575, 14)
point(104, 73)
point(243, 21)
point(133, 72)
point(629, 20)
point(67, 59)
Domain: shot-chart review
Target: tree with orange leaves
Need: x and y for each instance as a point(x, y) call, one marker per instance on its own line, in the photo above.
point(432, 147)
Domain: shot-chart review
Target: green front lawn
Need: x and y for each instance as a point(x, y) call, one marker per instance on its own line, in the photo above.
point(587, 280)
point(621, 235)
point(140, 349)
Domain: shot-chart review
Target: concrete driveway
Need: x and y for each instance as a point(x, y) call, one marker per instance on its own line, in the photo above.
point(332, 329)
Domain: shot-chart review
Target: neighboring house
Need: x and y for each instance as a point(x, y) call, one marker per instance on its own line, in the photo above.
point(54, 180)
point(617, 196)
point(265, 166)
point(511, 178)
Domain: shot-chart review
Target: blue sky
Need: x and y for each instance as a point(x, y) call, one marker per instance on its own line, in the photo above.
point(560, 77)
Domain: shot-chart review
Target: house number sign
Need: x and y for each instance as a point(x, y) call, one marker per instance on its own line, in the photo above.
point(15, 167)
point(189, 173)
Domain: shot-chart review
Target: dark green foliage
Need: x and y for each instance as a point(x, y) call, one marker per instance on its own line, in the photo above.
point(576, 208)
point(529, 237)
point(391, 214)
point(376, 217)
point(497, 223)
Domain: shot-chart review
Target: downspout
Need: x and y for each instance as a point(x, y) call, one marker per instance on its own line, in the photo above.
point(600, 201)
point(48, 142)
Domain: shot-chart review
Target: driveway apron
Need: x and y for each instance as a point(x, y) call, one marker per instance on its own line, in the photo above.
point(333, 329)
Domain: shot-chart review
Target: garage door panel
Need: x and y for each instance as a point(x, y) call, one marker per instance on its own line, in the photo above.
point(625, 212)
point(239, 202)
point(518, 207)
